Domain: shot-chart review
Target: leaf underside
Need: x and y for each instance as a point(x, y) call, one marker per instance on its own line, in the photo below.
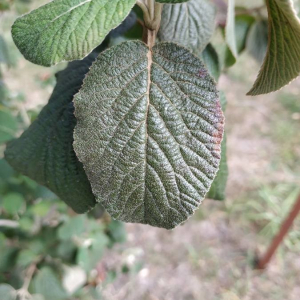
point(149, 129)
point(282, 61)
point(257, 40)
point(44, 152)
point(66, 30)
point(190, 24)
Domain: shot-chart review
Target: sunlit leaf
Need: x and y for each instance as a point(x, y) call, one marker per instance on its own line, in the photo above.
point(65, 30)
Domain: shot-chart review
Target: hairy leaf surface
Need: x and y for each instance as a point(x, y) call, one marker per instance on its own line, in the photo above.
point(218, 188)
point(190, 24)
point(149, 128)
point(282, 61)
point(45, 153)
point(65, 30)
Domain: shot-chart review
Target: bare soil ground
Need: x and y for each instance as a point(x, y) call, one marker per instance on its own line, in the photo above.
point(211, 256)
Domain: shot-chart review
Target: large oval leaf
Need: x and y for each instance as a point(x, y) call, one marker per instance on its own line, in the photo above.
point(190, 24)
point(45, 153)
point(149, 128)
point(65, 30)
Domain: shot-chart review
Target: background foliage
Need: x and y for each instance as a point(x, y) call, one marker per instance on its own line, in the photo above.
point(45, 242)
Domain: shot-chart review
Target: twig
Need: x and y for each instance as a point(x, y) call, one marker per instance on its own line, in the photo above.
point(286, 225)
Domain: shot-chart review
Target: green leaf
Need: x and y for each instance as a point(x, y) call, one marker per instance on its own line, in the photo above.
point(72, 228)
point(47, 284)
point(217, 189)
point(242, 27)
point(8, 126)
point(230, 28)
point(149, 129)
point(257, 41)
point(45, 152)
point(13, 203)
point(25, 258)
point(7, 292)
point(190, 24)
point(117, 231)
point(211, 60)
point(65, 30)
point(88, 257)
point(282, 61)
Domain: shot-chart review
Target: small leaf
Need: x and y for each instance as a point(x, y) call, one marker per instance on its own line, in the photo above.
point(25, 258)
point(149, 129)
point(190, 24)
point(230, 28)
point(72, 228)
point(13, 203)
point(257, 41)
point(7, 292)
point(47, 284)
point(45, 152)
point(8, 126)
point(282, 61)
point(65, 30)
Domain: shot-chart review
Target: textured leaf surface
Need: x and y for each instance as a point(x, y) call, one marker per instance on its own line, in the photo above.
point(65, 30)
point(45, 153)
point(218, 188)
point(190, 24)
point(257, 40)
point(149, 128)
point(230, 28)
point(282, 61)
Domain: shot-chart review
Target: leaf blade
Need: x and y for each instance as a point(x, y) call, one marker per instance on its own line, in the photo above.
point(283, 49)
point(65, 30)
point(153, 159)
point(44, 152)
point(190, 24)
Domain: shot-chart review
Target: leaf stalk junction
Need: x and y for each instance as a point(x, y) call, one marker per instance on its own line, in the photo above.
point(152, 16)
